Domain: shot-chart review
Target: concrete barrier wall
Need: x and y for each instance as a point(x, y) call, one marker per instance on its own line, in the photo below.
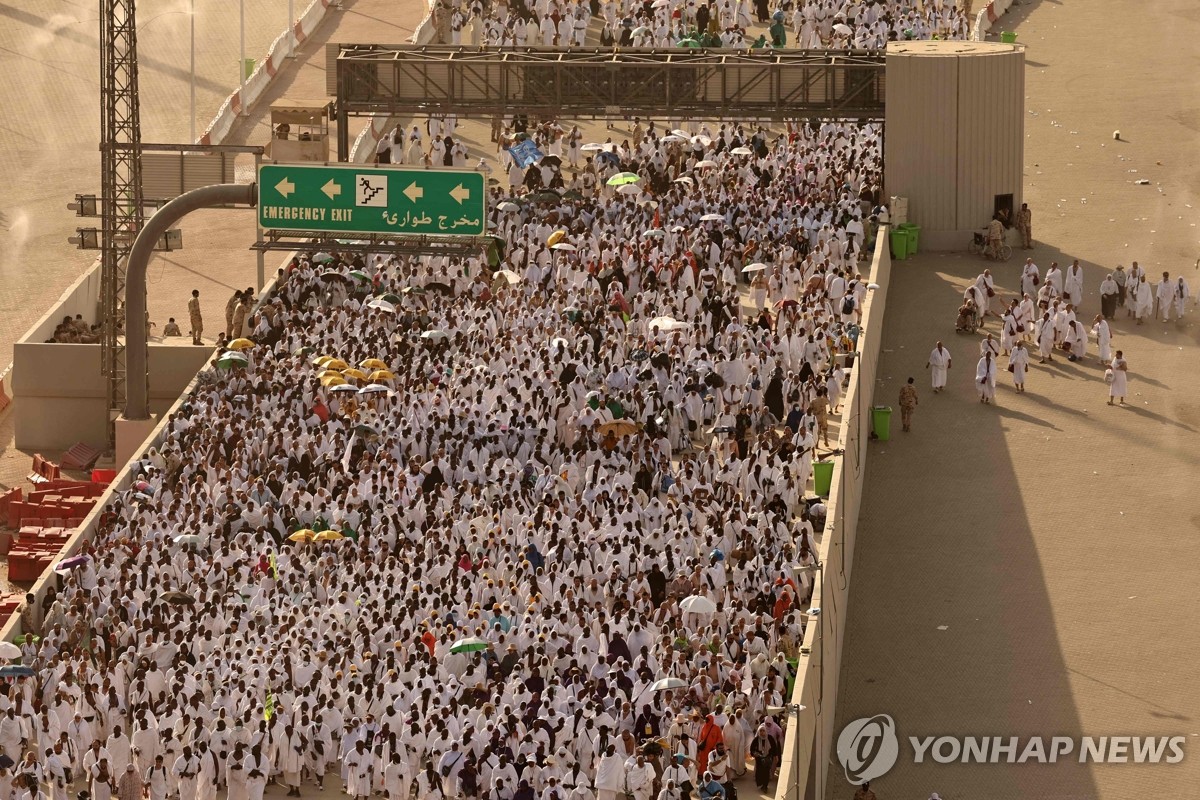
point(81, 297)
point(6, 395)
point(245, 96)
point(987, 17)
point(63, 396)
point(810, 736)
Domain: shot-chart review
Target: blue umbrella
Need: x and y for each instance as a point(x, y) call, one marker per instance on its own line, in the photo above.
point(16, 671)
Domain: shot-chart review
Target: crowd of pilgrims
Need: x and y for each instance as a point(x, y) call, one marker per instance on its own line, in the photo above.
point(837, 24)
point(550, 454)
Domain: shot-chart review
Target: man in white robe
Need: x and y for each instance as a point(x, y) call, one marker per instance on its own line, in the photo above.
point(1103, 338)
point(1164, 296)
point(985, 378)
point(938, 364)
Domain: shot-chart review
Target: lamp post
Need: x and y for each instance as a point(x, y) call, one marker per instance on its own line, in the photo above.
point(291, 51)
point(192, 91)
point(242, 41)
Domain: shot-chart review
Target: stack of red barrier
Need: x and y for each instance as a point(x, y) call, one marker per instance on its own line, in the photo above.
point(52, 504)
point(34, 550)
point(9, 603)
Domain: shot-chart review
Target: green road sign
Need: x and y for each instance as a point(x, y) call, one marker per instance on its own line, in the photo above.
point(346, 198)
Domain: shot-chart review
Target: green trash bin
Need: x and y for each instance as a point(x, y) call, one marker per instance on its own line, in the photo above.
point(248, 65)
point(822, 477)
point(913, 232)
point(1008, 37)
point(899, 238)
point(881, 422)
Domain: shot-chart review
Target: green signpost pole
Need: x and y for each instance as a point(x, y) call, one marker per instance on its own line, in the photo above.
point(347, 198)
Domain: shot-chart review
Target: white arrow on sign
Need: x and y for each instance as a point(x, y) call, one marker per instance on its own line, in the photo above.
point(414, 192)
point(460, 194)
point(285, 187)
point(331, 189)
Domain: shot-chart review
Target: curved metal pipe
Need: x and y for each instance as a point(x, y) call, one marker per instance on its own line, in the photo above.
point(137, 392)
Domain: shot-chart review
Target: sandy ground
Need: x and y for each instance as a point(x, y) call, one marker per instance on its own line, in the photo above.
point(1054, 537)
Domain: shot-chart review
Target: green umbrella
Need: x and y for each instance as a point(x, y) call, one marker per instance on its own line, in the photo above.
point(572, 195)
point(622, 178)
point(231, 360)
point(687, 43)
point(390, 297)
point(360, 275)
point(412, 290)
point(471, 644)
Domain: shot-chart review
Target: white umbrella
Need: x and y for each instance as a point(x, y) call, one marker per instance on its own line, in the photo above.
point(667, 324)
point(665, 684)
point(592, 147)
point(508, 205)
point(755, 267)
point(712, 218)
point(701, 139)
point(564, 246)
point(681, 133)
point(684, 179)
point(649, 204)
point(843, 29)
point(660, 3)
point(187, 538)
point(558, 342)
point(639, 30)
point(698, 604)
point(654, 232)
point(677, 229)
point(377, 388)
point(509, 275)
point(705, 164)
point(670, 137)
point(434, 335)
point(9, 650)
point(629, 188)
point(741, 151)
point(382, 305)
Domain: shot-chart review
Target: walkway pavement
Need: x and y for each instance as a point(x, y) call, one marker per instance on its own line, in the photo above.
point(1029, 568)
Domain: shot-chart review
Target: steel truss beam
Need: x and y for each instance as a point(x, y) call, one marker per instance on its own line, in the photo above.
point(121, 206)
point(305, 241)
point(600, 84)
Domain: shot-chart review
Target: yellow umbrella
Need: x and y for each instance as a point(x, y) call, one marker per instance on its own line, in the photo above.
point(329, 536)
point(335, 363)
point(302, 535)
point(555, 238)
point(352, 372)
point(374, 363)
point(619, 427)
point(240, 344)
point(330, 373)
point(382, 375)
point(321, 361)
point(332, 380)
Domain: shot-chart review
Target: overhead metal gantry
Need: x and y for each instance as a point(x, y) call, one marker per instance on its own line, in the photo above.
point(603, 83)
point(312, 241)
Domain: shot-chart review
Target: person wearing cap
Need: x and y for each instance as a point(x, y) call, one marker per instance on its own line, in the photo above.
point(129, 784)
